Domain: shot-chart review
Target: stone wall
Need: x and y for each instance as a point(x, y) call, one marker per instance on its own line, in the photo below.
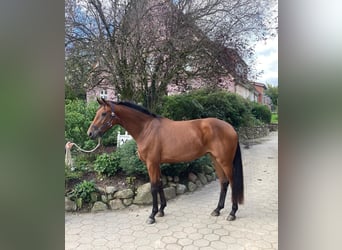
point(248, 133)
point(110, 198)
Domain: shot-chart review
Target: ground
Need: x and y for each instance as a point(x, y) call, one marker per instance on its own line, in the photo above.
point(187, 223)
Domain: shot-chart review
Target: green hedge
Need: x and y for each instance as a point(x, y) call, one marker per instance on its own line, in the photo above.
point(205, 103)
point(261, 112)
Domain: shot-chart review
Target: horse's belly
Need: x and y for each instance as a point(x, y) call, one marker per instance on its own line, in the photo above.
point(182, 151)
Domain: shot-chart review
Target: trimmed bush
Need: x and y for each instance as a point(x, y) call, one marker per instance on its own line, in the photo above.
point(205, 103)
point(261, 112)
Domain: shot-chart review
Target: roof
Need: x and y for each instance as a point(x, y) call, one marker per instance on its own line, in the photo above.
point(259, 84)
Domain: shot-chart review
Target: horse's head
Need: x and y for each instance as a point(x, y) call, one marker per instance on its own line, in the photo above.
point(104, 119)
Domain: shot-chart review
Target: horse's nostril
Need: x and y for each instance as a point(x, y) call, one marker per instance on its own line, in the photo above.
point(90, 134)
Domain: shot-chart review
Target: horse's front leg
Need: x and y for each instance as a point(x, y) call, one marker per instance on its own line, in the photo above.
point(156, 185)
point(162, 200)
point(154, 191)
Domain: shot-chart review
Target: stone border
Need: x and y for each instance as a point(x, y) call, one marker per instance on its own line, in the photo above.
point(111, 198)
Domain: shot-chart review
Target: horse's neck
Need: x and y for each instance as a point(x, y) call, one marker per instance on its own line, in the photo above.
point(132, 120)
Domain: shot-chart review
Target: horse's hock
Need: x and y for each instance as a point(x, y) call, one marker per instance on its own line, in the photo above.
point(110, 198)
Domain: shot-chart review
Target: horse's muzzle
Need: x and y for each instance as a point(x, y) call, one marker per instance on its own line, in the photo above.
point(93, 133)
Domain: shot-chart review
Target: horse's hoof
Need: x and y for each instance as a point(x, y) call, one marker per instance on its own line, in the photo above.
point(160, 214)
point(215, 213)
point(150, 221)
point(231, 217)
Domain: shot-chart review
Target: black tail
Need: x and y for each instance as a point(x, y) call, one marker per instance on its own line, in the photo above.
point(237, 187)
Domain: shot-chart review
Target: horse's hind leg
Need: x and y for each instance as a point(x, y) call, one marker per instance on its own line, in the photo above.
point(224, 187)
point(231, 215)
point(223, 193)
point(229, 173)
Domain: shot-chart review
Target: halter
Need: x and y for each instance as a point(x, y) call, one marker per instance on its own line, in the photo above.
point(107, 124)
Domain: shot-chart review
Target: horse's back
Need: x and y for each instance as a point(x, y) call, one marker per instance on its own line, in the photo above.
point(187, 140)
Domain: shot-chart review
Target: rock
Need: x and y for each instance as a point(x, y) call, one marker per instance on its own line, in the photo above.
point(199, 183)
point(202, 178)
point(124, 194)
point(111, 189)
point(209, 177)
point(144, 195)
point(104, 198)
point(207, 169)
point(101, 190)
point(172, 184)
point(116, 204)
point(99, 206)
point(127, 202)
point(180, 189)
point(176, 179)
point(169, 178)
point(192, 177)
point(70, 205)
point(170, 193)
point(164, 180)
point(93, 196)
point(192, 186)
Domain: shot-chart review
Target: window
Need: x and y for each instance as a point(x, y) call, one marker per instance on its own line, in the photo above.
point(103, 94)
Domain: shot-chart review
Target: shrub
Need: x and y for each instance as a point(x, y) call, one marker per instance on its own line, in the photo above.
point(205, 103)
point(175, 169)
point(129, 160)
point(70, 174)
point(77, 121)
point(197, 165)
point(131, 165)
point(82, 192)
point(183, 168)
point(261, 112)
point(107, 164)
point(180, 107)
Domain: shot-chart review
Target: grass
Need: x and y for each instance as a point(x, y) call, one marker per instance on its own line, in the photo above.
point(274, 118)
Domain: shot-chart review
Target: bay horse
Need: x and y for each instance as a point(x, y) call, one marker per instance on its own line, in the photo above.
point(161, 140)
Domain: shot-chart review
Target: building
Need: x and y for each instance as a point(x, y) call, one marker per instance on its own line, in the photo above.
point(262, 97)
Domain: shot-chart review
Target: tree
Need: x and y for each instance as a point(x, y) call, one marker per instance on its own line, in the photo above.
point(140, 46)
point(272, 92)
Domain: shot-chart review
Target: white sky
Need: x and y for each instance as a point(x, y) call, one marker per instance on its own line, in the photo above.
point(267, 55)
point(267, 60)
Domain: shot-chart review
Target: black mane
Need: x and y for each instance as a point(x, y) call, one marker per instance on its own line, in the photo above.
point(138, 108)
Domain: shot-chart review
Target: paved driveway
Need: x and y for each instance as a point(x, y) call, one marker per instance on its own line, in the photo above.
point(187, 223)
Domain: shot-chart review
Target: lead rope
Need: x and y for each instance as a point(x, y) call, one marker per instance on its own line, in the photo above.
point(69, 145)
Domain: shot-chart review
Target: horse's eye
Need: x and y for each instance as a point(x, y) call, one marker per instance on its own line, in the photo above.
point(104, 113)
